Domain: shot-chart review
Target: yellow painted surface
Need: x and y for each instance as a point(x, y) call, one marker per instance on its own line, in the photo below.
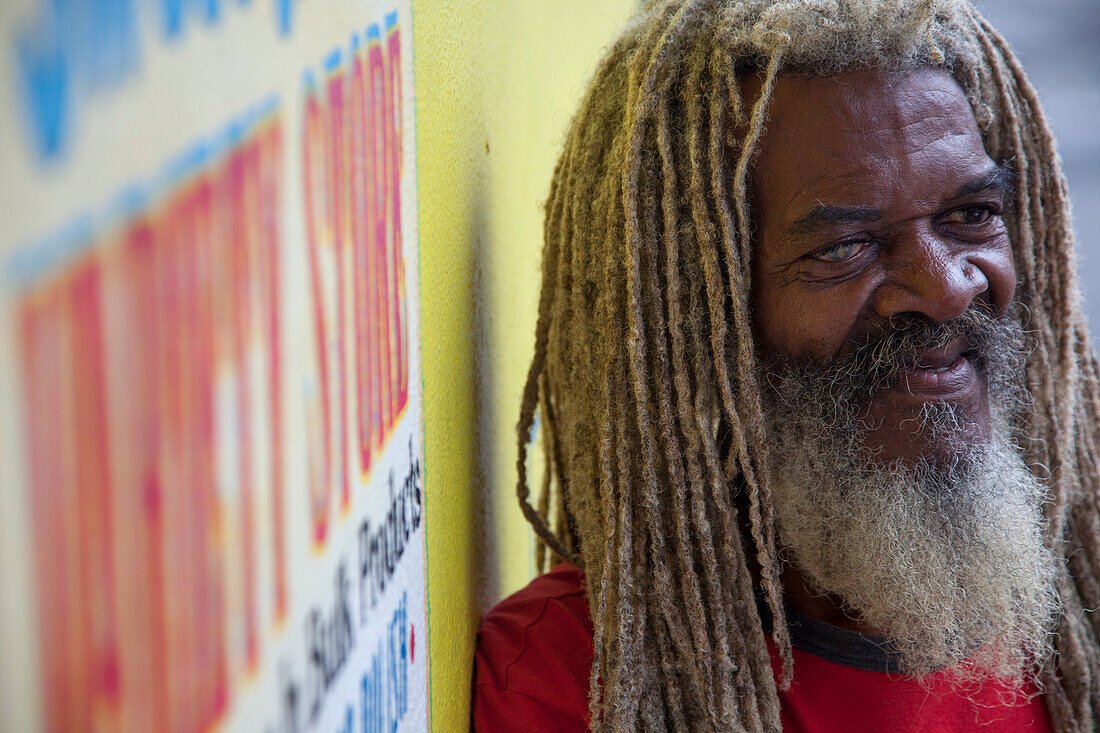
point(496, 83)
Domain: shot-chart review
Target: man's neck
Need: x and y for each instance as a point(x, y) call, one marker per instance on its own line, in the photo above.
point(824, 607)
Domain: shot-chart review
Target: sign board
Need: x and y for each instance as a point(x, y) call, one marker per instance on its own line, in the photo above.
point(212, 465)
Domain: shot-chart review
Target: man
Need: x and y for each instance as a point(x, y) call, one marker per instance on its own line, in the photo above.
point(820, 408)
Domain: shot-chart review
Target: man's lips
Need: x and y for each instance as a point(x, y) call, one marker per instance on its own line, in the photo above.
point(937, 374)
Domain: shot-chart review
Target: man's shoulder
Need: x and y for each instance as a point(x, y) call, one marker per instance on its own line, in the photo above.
point(552, 611)
point(534, 648)
point(562, 586)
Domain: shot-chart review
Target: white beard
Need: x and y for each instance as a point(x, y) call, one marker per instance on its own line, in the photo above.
point(946, 558)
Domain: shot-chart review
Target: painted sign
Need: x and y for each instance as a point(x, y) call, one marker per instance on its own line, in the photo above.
point(212, 505)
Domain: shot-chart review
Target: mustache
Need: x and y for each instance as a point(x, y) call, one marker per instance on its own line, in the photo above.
point(897, 346)
point(876, 360)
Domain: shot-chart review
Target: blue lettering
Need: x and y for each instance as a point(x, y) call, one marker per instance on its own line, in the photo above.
point(385, 684)
point(284, 16)
point(71, 49)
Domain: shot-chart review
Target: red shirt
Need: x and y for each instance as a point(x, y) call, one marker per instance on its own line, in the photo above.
point(534, 655)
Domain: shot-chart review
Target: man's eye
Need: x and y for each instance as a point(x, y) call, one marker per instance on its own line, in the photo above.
point(972, 215)
point(839, 252)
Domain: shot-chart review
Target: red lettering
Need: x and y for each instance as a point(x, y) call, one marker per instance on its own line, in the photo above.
point(270, 174)
point(339, 191)
point(318, 236)
point(362, 190)
point(396, 159)
point(381, 144)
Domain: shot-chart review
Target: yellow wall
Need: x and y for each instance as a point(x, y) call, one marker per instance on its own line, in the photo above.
point(497, 82)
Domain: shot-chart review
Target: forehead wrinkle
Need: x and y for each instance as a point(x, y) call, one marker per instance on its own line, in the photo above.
point(934, 112)
point(896, 158)
point(831, 214)
point(830, 184)
point(925, 122)
point(998, 177)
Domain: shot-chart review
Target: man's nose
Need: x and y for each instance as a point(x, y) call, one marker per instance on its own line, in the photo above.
point(929, 275)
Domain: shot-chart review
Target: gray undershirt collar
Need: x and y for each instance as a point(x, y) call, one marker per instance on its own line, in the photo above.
point(834, 644)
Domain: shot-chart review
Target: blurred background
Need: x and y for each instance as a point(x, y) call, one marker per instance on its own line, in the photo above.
point(1059, 45)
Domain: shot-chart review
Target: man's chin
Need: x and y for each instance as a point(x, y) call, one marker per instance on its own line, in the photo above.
point(947, 559)
point(899, 427)
point(896, 491)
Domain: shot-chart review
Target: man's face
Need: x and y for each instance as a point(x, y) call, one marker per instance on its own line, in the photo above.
point(875, 198)
point(891, 373)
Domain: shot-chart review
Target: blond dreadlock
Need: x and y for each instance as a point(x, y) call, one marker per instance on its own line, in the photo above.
point(644, 367)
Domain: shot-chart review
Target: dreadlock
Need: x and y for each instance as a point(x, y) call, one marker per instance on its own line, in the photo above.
point(644, 370)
